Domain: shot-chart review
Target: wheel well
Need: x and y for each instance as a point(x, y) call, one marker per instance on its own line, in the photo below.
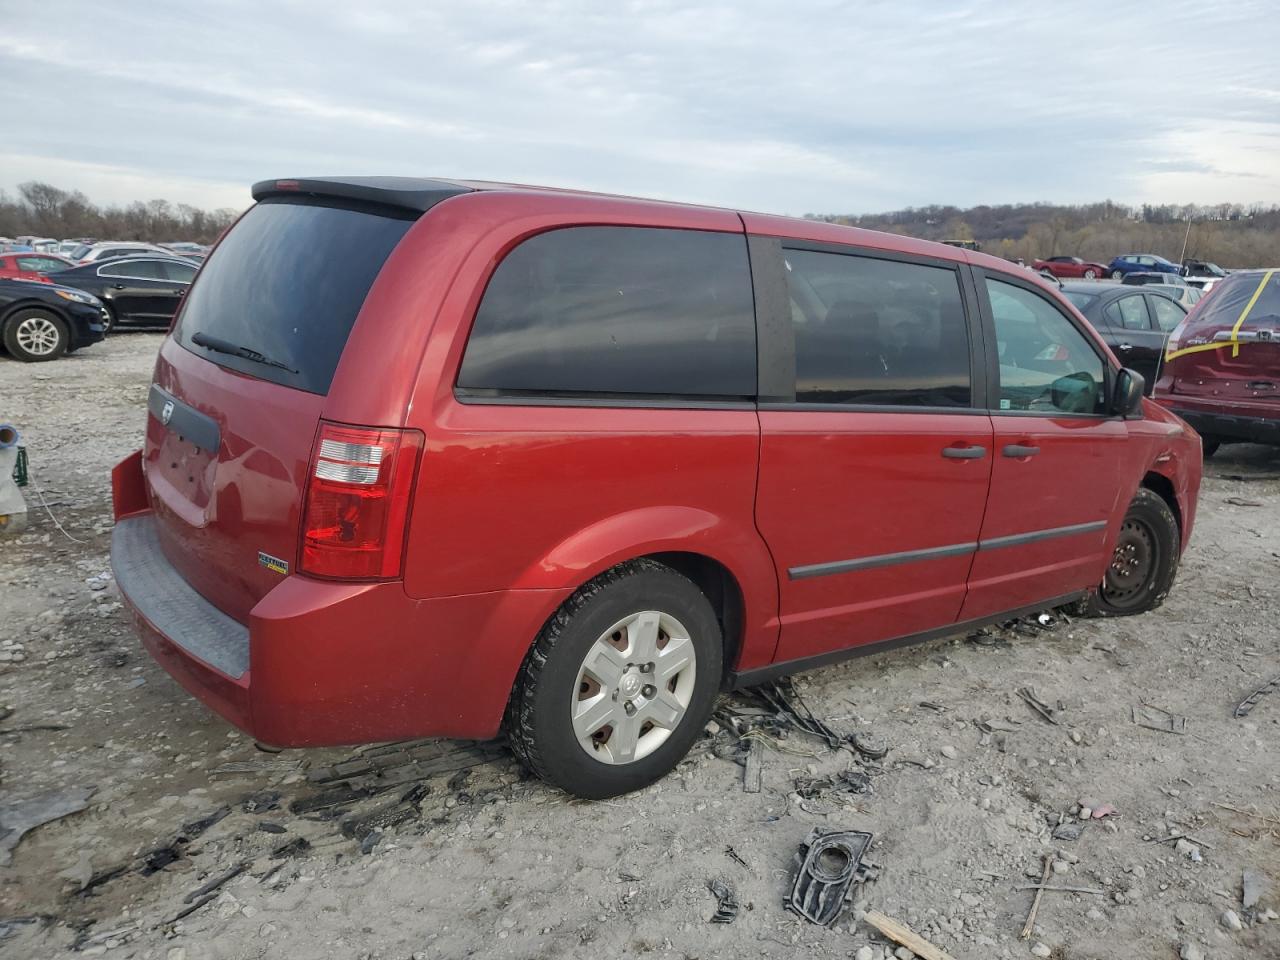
point(721, 588)
point(1162, 486)
point(33, 305)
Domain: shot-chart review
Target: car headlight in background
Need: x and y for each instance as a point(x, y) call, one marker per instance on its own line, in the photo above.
point(77, 297)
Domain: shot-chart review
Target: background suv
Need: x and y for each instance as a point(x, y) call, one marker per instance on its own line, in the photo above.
point(1140, 263)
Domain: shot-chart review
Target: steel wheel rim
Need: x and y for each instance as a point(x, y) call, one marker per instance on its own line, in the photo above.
point(1133, 564)
point(633, 688)
point(38, 336)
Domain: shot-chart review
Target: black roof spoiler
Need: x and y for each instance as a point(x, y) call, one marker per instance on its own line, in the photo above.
point(407, 193)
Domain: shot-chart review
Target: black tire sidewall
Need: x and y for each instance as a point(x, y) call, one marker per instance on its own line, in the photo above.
point(111, 321)
point(11, 335)
point(565, 763)
point(1150, 509)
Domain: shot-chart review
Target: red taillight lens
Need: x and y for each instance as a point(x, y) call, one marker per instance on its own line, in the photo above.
point(358, 494)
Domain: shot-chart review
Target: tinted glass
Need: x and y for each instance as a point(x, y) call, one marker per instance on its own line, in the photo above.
point(133, 269)
point(288, 281)
point(1046, 364)
point(1080, 300)
point(1168, 314)
point(180, 272)
point(617, 310)
point(80, 252)
point(1128, 313)
point(877, 331)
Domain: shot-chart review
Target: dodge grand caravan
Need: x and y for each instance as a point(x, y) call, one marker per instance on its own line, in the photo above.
point(442, 458)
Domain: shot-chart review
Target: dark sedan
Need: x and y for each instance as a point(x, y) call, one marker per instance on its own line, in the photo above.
point(42, 321)
point(137, 290)
point(1134, 321)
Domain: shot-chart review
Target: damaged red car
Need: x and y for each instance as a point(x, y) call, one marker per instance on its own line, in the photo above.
point(438, 458)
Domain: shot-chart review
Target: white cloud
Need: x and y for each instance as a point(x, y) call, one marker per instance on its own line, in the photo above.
point(810, 106)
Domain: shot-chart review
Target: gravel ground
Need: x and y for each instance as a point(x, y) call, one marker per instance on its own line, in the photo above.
point(482, 861)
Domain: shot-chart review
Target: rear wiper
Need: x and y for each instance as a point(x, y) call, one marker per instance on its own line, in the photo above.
point(218, 345)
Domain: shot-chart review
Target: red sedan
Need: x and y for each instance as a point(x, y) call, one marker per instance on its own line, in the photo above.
point(1071, 268)
point(32, 266)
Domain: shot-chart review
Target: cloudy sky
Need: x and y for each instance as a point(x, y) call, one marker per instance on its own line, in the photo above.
point(804, 106)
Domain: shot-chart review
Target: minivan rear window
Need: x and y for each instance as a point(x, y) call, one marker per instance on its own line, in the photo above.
point(617, 311)
point(287, 283)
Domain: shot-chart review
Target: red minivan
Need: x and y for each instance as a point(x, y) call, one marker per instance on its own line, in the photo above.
point(434, 458)
point(1222, 362)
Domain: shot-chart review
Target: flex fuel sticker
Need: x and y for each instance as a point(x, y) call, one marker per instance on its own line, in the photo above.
point(274, 564)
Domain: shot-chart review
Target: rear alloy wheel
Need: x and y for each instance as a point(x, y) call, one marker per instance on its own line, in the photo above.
point(619, 683)
point(1144, 561)
point(35, 335)
point(108, 318)
point(1091, 274)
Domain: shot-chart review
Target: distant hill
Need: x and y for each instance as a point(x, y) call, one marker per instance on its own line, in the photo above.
point(1231, 235)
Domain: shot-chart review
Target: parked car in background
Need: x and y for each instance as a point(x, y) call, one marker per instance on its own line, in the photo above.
point(42, 321)
point(39, 244)
point(88, 253)
point(1186, 295)
point(1134, 322)
point(194, 251)
point(1068, 268)
point(1140, 263)
point(879, 440)
point(135, 290)
point(1221, 370)
point(1202, 269)
point(32, 266)
point(1138, 279)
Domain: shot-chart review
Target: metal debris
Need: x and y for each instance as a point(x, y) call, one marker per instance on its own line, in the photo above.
point(830, 865)
point(217, 882)
point(1039, 706)
point(269, 826)
point(753, 770)
point(1070, 830)
point(1156, 718)
point(871, 746)
point(733, 855)
point(20, 817)
point(852, 780)
point(726, 902)
point(261, 801)
point(1248, 703)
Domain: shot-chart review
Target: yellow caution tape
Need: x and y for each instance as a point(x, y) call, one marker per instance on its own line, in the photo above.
point(1235, 331)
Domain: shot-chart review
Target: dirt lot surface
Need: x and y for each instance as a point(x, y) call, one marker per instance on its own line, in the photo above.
point(479, 860)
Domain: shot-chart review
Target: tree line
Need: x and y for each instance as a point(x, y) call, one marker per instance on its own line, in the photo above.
point(43, 210)
point(1231, 235)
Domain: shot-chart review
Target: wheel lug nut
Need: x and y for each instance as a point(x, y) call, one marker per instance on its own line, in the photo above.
point(630, 708)
point(649, 690)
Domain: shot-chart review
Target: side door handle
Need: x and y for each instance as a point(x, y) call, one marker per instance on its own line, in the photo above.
point(117, 286)
point(1019, 450)
point(1124, 346)
point(964, 453)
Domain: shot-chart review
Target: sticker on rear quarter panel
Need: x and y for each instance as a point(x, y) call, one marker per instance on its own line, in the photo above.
point(274, 564)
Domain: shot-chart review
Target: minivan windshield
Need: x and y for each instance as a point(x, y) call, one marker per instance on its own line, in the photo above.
point(287, 283)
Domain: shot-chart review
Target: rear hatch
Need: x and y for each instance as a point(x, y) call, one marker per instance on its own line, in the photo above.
point(240, 387)
point(1228, 348)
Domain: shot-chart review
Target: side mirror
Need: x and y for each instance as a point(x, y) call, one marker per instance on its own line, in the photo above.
point(1127, 399)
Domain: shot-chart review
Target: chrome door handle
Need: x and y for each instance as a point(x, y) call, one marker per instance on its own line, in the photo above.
point(1019, 450)
point(964, 453)
point(1125, 346)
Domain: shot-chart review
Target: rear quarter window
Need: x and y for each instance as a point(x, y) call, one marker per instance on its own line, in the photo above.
point(616, 312)
point(287, 282)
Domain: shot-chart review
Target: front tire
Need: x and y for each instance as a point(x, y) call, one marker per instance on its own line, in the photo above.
point(1143, 563)
point(34, 336)
point(109, 319)
point(1209, 445)
point(619, 683)
point(1091, 274)
point(1117, 274)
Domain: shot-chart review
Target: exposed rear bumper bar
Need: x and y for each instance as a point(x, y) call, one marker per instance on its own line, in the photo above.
point(1230, 427)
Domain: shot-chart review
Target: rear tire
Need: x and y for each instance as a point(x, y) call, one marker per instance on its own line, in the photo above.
point(1143, 564)
point(595, 710)
point(34, 336)
point(1091, 274)
point(1117, 275)
point(1210, 446)
point(109, 320)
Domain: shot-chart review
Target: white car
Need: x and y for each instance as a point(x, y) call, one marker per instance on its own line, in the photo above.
point(92, 252)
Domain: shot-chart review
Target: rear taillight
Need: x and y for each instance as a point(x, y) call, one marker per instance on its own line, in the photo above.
point(359, 489)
